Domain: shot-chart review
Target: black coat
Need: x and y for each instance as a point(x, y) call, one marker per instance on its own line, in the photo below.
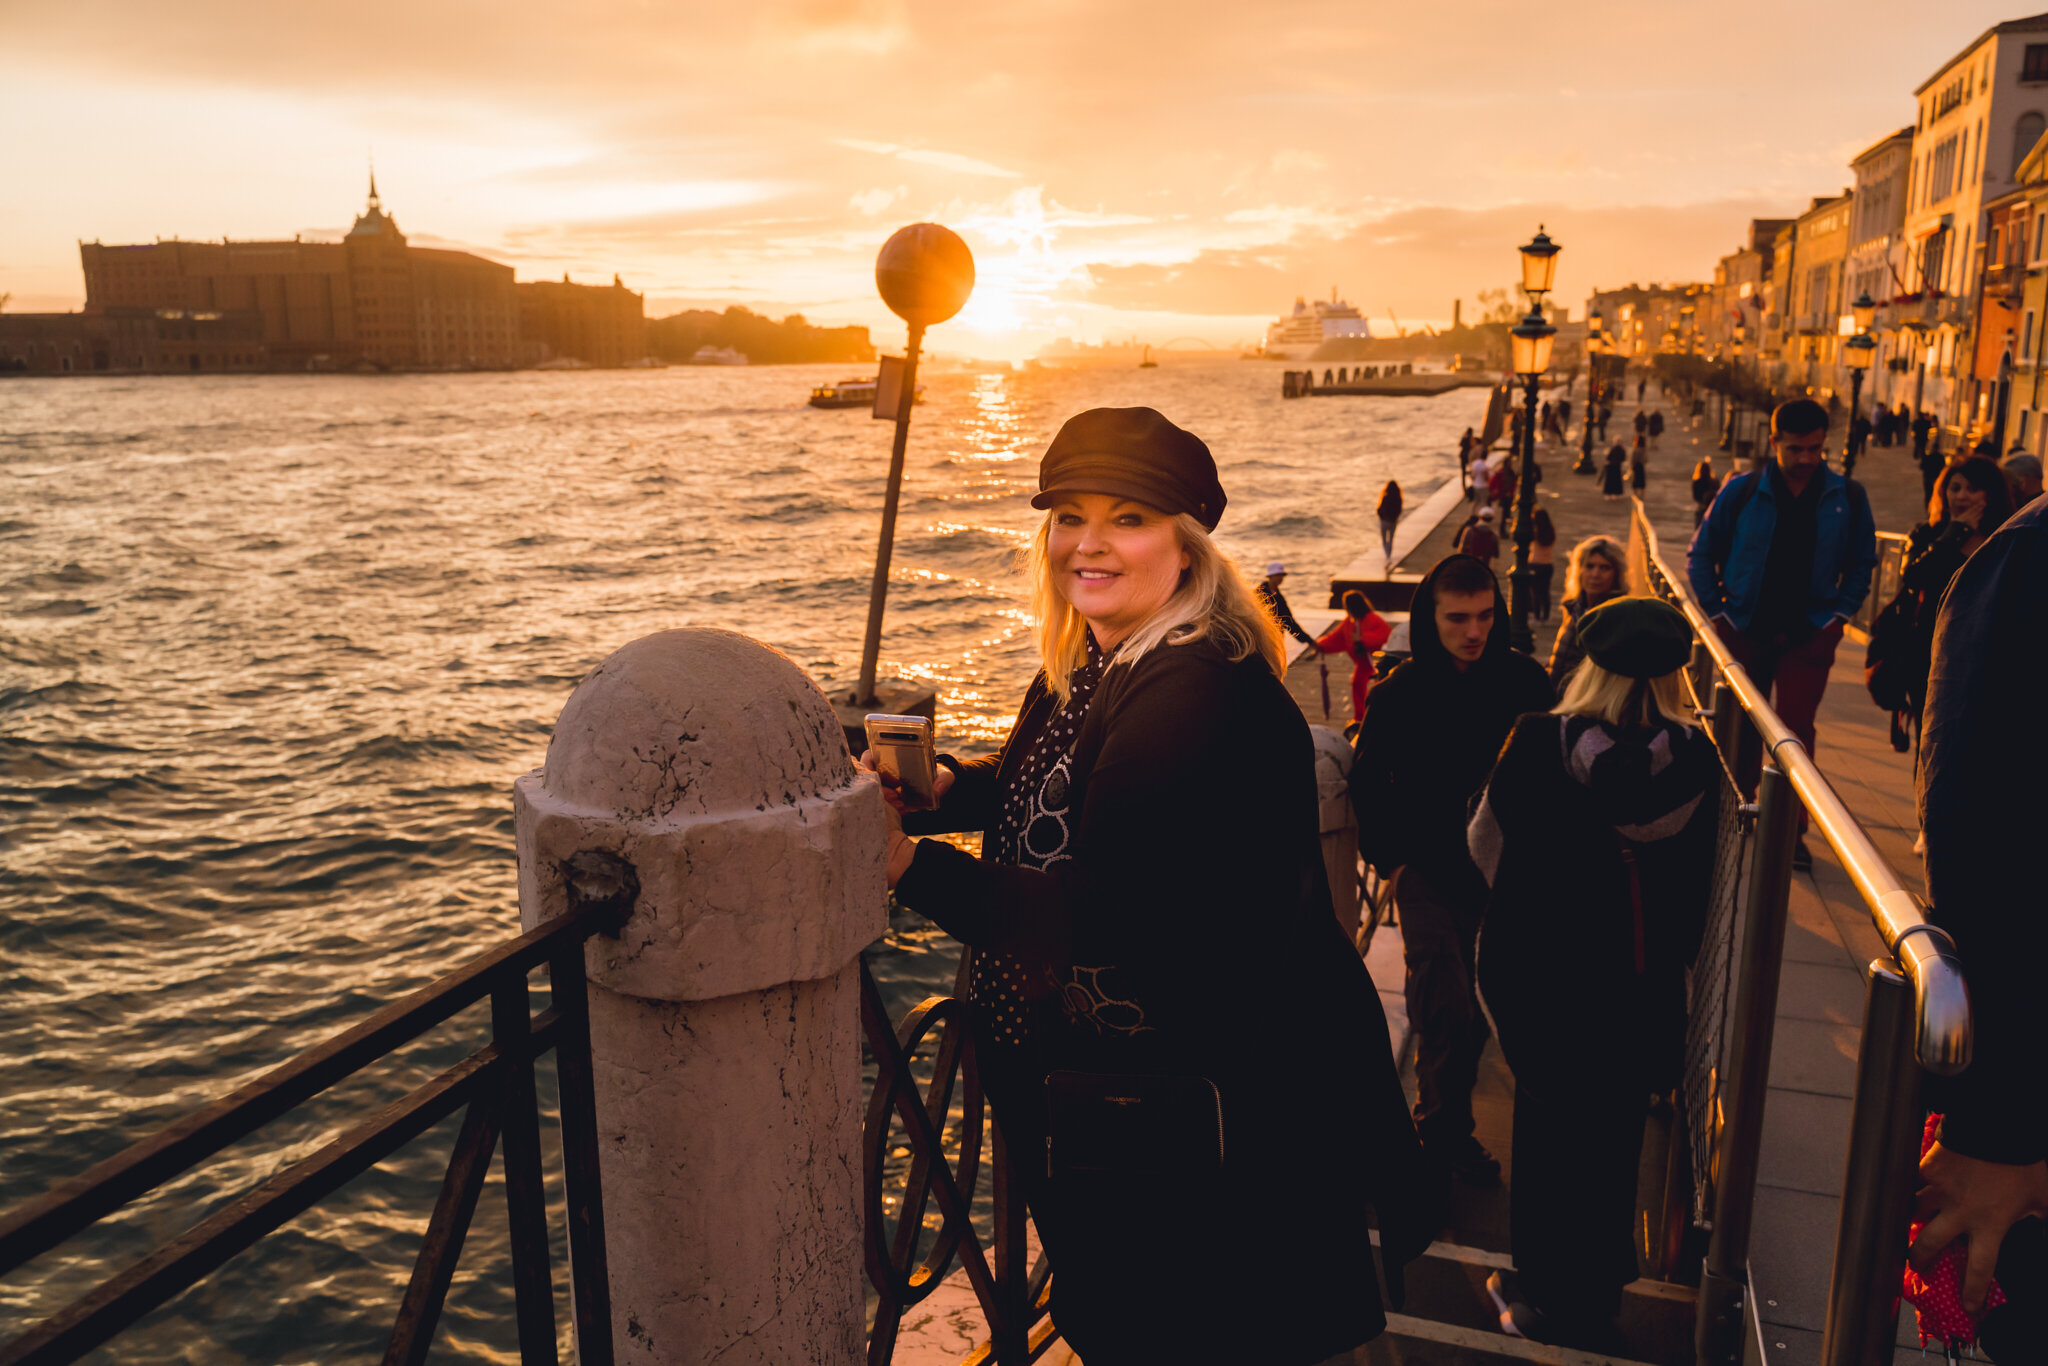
point(1429, 738)
point(1566, 653)
point(1983, 751)
point(1196, 876)
point(1582, 996)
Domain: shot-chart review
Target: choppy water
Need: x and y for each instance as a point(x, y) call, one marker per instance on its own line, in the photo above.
point(273, 649)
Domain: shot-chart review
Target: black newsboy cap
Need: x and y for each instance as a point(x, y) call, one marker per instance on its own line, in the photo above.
point(1637, 637)
point(1132, 453)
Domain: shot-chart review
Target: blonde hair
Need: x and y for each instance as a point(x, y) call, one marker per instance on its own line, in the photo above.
point(1607, 548)
point(1620, 700)
point(1210, 601)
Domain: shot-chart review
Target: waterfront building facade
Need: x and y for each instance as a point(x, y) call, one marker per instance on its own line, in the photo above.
point(142, 340)
point(1814, 299)
point(2029, 394)
point(371, 299)
point(1876, 263)
point(601, 325)
point(1741, 279)
point(1979, 114)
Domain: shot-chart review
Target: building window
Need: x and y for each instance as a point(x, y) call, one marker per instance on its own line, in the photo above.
point(2040, 232)
point(2027, 337)
point(2035, 68)
point(2025, 134)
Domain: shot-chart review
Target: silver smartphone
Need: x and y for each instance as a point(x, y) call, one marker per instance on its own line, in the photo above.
point(903, 749)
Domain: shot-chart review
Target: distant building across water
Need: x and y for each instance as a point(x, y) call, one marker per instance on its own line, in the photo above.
point(371, 301)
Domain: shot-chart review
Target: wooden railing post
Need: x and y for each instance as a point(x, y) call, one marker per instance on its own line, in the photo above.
point(724, 1018)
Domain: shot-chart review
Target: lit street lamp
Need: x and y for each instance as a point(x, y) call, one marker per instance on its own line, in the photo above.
point(1531, 342)
point(924, 273)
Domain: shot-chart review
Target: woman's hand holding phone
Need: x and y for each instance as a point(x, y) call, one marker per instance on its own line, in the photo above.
point(941, 783)
point(901, 847)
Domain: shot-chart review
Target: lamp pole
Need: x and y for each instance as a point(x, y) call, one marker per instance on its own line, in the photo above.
point(924, 273)
point(1596, 344)
point(1531, 342)
point(1858, 351)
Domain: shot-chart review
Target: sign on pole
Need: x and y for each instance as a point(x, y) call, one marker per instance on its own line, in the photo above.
point(889, 388)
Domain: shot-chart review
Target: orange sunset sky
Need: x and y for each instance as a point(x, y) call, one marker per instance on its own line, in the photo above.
point(1121, 170)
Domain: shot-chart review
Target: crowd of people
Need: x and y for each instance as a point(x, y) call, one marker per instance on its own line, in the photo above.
point(1546, 832)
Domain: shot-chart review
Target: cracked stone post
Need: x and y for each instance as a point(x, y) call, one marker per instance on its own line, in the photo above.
point(725, 1018)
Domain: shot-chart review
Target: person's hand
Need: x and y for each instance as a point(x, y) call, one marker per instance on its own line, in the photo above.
point(1979, 1202)
point(892, 792)
point(902, 848)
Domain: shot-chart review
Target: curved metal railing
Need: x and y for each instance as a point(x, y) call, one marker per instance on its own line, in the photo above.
point(1916, 1014)
point(907, 1262)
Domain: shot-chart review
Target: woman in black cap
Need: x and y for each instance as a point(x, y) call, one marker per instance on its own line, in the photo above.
point(1595, 833)
point(1167, 1017)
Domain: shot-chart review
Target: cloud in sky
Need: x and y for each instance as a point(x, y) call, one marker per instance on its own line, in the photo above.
point(1115, 164)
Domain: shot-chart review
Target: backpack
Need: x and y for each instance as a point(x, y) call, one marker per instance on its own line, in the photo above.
point(1888, 659)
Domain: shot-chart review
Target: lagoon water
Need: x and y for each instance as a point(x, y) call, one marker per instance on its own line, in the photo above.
point(272, 650)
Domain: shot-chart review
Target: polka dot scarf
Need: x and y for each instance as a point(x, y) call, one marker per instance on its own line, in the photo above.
point(1032, 831)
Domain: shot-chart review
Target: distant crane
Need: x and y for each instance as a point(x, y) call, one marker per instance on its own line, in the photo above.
point(1399, 331)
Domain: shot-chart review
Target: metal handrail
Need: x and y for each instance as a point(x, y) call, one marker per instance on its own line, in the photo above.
point(1916, 1014)
point(1942, 1035)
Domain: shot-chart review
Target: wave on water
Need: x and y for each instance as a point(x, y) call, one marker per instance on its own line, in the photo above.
point(1291, 524)
point(55, 607)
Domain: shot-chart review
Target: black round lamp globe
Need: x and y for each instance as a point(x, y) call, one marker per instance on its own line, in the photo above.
point(924, 273)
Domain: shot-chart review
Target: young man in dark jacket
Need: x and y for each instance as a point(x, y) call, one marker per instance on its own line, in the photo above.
point(1428, 741)
point(1984, 809)
point(1782, 561)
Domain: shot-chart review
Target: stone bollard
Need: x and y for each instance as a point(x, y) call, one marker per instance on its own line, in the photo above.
point(725, 1017)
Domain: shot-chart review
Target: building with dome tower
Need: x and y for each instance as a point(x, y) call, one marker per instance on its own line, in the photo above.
point(370, 300)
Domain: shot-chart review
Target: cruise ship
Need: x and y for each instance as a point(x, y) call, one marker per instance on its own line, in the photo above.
point(1297, 335)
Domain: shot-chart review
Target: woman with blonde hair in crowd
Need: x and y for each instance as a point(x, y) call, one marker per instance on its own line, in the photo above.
point(1597, 572)
point(1151, 873)
point(1595, 834)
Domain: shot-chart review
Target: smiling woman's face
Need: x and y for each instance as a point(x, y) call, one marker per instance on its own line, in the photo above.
point(1117, 561)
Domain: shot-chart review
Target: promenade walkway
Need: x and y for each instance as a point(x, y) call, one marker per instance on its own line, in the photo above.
point(1828, 943)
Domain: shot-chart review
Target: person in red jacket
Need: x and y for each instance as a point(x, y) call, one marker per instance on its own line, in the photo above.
point(1360, 633)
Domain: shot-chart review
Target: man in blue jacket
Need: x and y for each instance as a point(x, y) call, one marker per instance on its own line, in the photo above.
point(1781, 562)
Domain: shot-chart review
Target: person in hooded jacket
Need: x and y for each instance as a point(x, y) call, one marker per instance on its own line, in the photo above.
point(1595, 835)
point(1430, 733)
point(1151, 882)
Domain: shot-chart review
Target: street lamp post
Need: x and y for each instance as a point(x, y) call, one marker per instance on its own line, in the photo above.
point(924, 273)
point(1734, 393)
point(1596, 348)
point(1531, 342)
point(1859, 350)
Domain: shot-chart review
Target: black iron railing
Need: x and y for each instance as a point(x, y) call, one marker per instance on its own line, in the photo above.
point(907, 1261)
point(495, 1088)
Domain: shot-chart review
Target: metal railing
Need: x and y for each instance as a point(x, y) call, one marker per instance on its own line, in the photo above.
point(496, 1085)
point(1916, 1011)
point(1884, 580)
point(907, 1263)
